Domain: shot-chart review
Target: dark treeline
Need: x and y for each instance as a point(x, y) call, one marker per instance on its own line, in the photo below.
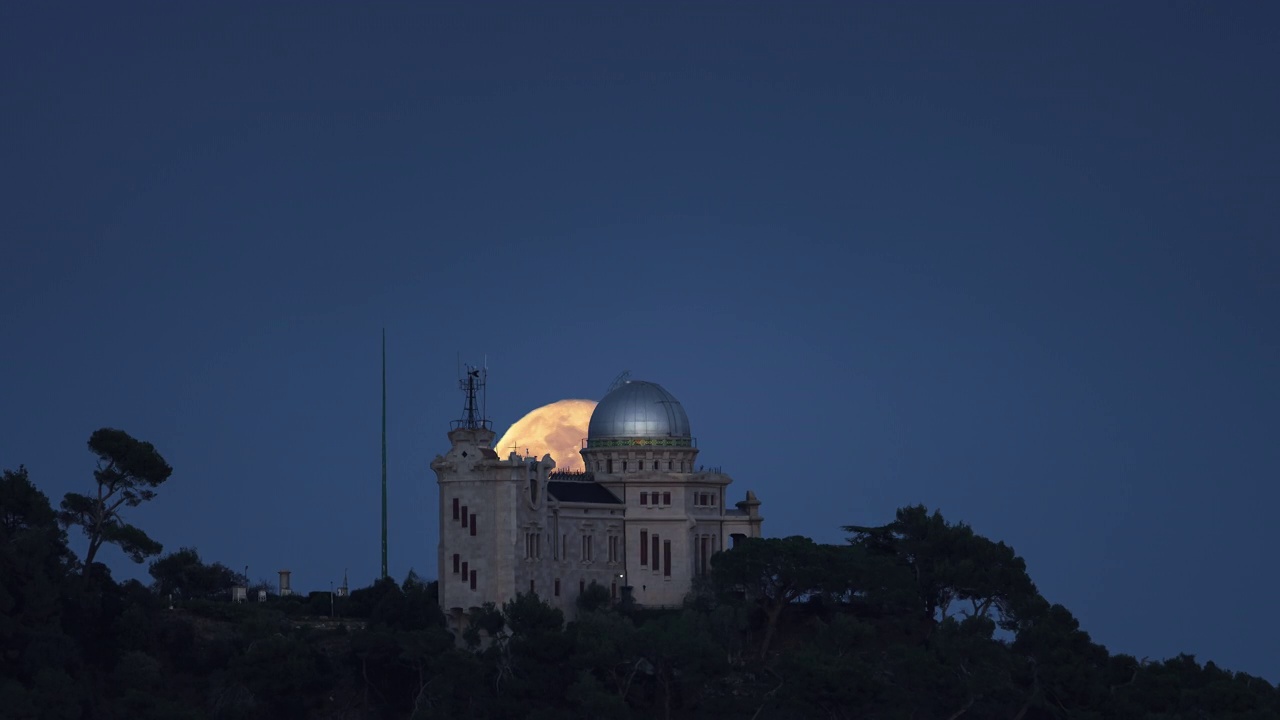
point(919, 618)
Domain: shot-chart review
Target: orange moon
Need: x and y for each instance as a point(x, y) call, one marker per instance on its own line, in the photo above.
point(556, 430)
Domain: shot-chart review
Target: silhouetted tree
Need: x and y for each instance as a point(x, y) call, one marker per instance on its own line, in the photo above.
point(182, 573)
point(775, 572)
point(128, 472)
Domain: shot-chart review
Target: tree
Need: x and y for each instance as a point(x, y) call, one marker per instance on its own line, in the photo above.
point(35, 569)
point(951, 563)
point(128, 472)
point(184, 574)
point(776, 572)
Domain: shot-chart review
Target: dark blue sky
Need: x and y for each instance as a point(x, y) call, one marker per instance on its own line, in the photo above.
point(1017, 261)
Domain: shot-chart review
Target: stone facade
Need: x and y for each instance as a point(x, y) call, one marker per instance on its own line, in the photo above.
point(642, 519)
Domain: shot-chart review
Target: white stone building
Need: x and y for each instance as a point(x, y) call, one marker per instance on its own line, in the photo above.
point(643, 518)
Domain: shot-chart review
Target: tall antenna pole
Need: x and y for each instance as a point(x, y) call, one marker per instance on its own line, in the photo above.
point(384, 452)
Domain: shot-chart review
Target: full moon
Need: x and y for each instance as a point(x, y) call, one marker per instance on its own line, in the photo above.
point(556, 430)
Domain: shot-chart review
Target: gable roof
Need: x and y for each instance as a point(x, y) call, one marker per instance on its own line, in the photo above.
point(579, 491)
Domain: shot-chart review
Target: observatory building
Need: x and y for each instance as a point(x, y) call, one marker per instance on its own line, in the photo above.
point(642, 519)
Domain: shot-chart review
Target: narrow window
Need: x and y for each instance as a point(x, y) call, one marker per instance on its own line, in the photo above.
point(464, 568)
point(657, 565)
point(455, 508)
point(609, 464)
point(473, 579)
point(613, 591)
point(582, 586)
point(464, 516)
point(644, 498)
point(473, 524)
point(624, 466)
point(655, 464)
point(666, 558)
point(530, 587)
point(666, 498)
point(670, 465)
point(644, 548)
point(537, 546)
point(564, 546)
point(456, 559)
point(557, 587)
point(702, 561)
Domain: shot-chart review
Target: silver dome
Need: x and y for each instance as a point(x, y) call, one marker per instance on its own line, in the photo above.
point(639, 409)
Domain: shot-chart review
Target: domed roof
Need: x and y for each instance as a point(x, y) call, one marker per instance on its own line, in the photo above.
point(638, 409)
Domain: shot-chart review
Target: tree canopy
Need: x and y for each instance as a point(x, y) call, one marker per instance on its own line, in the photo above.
point(918, 618)
point(127, 475)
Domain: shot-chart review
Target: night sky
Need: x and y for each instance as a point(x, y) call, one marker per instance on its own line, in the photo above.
point(1019, 262)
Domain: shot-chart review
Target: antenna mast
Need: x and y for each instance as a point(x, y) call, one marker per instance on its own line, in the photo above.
point(473, 388)
point(384, 453)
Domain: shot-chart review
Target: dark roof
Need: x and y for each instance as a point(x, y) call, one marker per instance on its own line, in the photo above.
point(578, 491)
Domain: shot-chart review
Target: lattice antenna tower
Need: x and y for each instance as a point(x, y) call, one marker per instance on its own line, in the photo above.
point(473, 389)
